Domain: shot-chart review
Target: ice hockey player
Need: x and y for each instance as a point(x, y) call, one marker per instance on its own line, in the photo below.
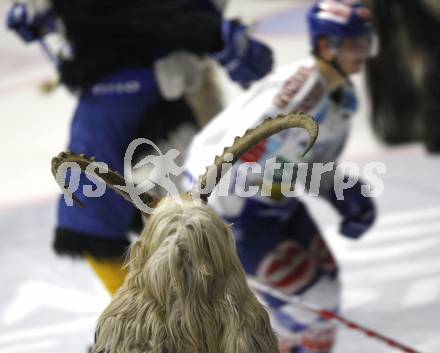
point(277, 240)
point(119, 66)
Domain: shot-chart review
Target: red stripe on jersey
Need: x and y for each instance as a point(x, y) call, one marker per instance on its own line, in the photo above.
point(255, 154)
point(291, 87)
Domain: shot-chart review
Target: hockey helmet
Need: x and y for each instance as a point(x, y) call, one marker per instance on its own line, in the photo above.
point(339, 19)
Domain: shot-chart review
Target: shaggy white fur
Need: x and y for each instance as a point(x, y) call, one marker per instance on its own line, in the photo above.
point(185, 292)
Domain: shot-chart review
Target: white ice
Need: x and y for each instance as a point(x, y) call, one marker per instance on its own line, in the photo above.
point(391, 277)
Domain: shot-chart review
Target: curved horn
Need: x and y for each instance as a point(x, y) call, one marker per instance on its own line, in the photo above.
point(111, 178)
point(268, 127)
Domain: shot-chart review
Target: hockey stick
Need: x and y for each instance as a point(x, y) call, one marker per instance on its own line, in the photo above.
point(325, 314)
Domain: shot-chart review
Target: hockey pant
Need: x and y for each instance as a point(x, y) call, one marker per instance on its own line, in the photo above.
point(280, 245)
point(108, 117)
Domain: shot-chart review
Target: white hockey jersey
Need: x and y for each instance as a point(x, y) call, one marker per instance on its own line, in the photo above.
point(296, 87)
point(277, 241)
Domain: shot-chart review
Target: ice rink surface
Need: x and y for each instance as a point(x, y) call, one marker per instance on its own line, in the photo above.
point(391, 276)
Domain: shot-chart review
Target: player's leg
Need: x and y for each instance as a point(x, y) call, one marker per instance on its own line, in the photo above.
point(104, 128)
point(315, 281)
point(279, 243)
point(104, 123)
point(111, 272)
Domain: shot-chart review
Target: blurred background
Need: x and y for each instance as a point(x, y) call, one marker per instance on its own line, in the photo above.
point(391, 276)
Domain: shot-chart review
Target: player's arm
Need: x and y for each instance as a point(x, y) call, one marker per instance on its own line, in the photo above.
point(302, 92)
point(288, 90)
point(346, 195)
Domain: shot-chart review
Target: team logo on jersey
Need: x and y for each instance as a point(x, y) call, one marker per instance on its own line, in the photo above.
point(256, 153)
point(322, 254)
point(292, 86)
point(288, 267)
point(312, 98)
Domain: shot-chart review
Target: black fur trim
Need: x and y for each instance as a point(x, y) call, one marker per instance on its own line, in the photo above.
point(76, 244)
point(137, 224)
point(403, 80)
point(107, 36)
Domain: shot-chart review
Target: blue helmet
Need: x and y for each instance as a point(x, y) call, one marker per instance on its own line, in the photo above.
point(338, 19)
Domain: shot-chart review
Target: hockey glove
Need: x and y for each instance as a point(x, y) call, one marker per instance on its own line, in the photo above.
point(245, 59)
point(31, 22)
point(358, 211)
